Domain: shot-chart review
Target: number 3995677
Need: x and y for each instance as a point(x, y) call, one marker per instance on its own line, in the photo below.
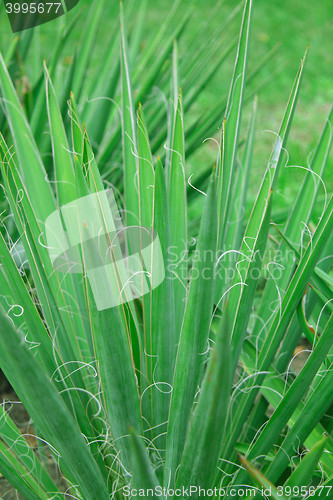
point(33, 8)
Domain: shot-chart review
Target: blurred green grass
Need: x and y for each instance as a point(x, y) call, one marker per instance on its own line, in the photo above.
point(292, 24)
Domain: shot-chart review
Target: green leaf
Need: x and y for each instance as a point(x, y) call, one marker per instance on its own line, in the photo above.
point(63, 165)
point(281, 320)
point(248, 268)
point(304, 471)
point(292, 397)
point(117, 376)
point(194, 335)
point(232, 125)
point(206, 430)
point(49, 413)
point(145, 173)
point(17, 296)
point(29, 160)
point(273, 389)
point(259, 214)
point(86, 47)
point(177, 214)
point(260, 479)
point(316, 404)
point(128, 134)
point(46, 281)
point(164, 346)
point(60, 321)
point(95, 181)
point(299, 216)
point(102, 107)
point(235, 229)
point(143, 475)
point(12, 470)
point(16, 452)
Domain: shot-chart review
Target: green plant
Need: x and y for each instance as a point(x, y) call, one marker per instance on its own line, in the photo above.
point(167, 389)
point(99, 99)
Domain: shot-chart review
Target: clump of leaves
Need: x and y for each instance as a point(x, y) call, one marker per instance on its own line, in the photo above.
point(175, 387)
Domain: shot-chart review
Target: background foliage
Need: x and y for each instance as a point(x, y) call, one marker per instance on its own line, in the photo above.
point(221, 347)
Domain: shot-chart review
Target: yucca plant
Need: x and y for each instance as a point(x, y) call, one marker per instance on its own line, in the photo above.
point(157, 374)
